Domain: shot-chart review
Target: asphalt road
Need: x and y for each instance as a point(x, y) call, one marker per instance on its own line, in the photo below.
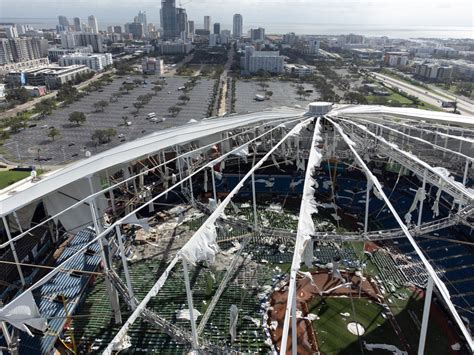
point(429, 97)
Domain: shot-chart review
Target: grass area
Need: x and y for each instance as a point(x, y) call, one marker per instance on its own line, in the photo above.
point(408, 311)
point(393, 97)
point(331, 329)
point(8, 178)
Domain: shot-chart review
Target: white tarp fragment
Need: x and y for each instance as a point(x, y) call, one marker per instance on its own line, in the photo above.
point(184, 314)
point(22, 313)
point(234, 316)
point(202, 248)
point(74, 220)
point(242, 152)
point(419, 197)
point(388, 347)
point(133, 220)
point(123, 344)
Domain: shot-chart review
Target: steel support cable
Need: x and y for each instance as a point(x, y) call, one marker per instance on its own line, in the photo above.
point(103, 191)
point(461, 192)
point(418, 139)
point(54, 271)
point(432, 273)
point(214, 216)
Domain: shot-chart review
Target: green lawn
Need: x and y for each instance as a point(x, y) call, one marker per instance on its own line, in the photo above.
point(410, 308)
point(331, 329)
point(10, 177)
point(393, 97)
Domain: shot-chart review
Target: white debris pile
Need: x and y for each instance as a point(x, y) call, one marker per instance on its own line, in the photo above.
point(184, 314)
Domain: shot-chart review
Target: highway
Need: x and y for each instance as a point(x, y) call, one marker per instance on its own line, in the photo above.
point(431, 97)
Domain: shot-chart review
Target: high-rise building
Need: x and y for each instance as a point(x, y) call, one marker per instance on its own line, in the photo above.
point(142, 19)
point(257, 34)
point(6, 55)
point(182, 19)
point(118, 29)
point(11, 32)
point(68, 40)
point(135, 29)
point(169, 19)
point(89, 39)
point(24, 49)
point(238, 22)
point(191, 27)
point(217, 28)
point(207, 23)
point(63, 21)
point(93, 24)
point(77, 24)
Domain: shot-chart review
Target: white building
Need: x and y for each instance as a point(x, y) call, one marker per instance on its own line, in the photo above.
point(68, 40)
point(396, 59)
point(153, 66)
point(174, 48)
point(207, 23)
point(238, 23)
point(55, 53)
point(213, 39)
point(269, 61)
point(298, 70)
point(96, 62)
point(93, 24)
point(314, 46)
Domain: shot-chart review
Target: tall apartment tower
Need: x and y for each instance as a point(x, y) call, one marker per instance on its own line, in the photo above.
point(217, 28)
point(63, 21)
point(77, 24)
point(142, 19)
point(207, 23)
point(191, 27)
point(238, 22)
point(182, 19)
point(93, 24)
point(169, 19)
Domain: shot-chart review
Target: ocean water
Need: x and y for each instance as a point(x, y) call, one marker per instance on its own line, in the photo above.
point(301, 28)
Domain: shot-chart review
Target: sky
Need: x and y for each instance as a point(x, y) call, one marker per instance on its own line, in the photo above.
point(284, 14)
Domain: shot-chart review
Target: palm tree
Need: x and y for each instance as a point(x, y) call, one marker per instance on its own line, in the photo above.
point(53, 133)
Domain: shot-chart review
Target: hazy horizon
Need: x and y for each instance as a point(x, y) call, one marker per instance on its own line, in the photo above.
point(401, 14)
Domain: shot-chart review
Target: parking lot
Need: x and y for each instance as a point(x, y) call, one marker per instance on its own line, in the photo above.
point(74, 141)
point(284, 94)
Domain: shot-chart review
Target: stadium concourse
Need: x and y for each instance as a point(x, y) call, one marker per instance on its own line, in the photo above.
point(331, 229)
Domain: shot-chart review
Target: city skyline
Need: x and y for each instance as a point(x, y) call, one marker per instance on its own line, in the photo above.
point(267, 13)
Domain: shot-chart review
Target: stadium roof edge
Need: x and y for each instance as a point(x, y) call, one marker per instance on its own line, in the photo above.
point(31, 191)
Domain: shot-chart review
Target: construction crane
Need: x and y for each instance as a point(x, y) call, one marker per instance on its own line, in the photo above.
point(182, 4)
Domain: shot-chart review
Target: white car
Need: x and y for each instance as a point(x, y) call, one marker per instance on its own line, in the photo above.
point(121, 135)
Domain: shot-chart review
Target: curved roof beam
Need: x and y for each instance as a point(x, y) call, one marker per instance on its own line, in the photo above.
point(107, 189)
point(467, 195)
point(195, 238)
point(439, 284)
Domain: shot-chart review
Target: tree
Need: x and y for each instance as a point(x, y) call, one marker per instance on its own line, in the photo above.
point(138, 82)
point(20, 95)
point(102, 136)
point(77, 117)
point(100, 105)
point(125, 120)
point(115, 96)
point(53, 132)
point(269, 94)
point(67, 93)
point(138, 105)
point(157, 89)
point(184, 98)
point(174, 110)
point(45, 107)
point(300, 91)
point(355, 98)
point(127, 87)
